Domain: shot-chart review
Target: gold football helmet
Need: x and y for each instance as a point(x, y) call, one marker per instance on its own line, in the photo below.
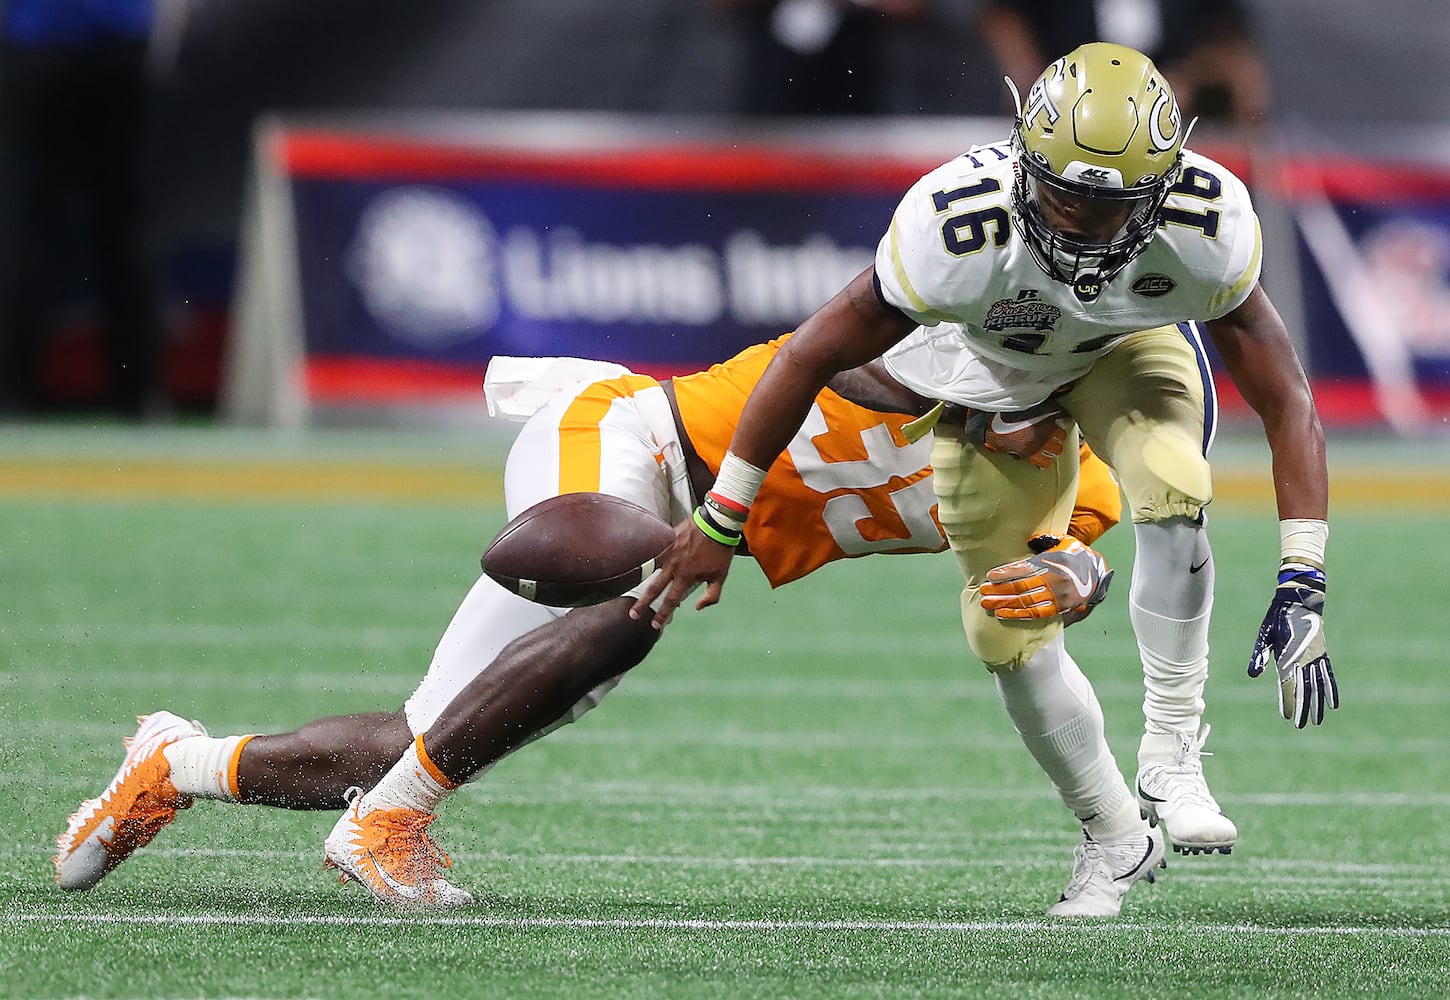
point(1098, 142)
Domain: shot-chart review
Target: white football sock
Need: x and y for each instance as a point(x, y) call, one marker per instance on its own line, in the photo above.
point(414, 782)
point(205, 767)
point(1169, 605)
point(1057, 714)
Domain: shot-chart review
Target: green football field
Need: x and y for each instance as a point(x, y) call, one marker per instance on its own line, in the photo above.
point(806, 793)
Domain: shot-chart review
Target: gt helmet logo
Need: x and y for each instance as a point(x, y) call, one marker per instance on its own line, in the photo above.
point(1039, 102)
point(1164, 122)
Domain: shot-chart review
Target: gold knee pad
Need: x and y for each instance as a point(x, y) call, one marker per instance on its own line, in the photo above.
point(1003, 646)
point(990, 504)
point(1163, 471)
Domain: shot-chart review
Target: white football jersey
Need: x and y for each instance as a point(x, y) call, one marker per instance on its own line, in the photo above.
point(998, 333)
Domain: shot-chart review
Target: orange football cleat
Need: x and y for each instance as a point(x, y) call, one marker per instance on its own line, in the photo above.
point(128, 815)
point(388, 851)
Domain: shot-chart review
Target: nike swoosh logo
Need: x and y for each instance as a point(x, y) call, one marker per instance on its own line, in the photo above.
point(1132, 873)
point(1083, 587)
point(408, 892)
point(1313, 626)
point(1197, 567)
point(1001, 426)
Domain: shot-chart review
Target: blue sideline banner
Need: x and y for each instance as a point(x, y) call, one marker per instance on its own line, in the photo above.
point(389, 264)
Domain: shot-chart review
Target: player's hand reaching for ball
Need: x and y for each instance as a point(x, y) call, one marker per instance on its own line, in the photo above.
point(694, 558)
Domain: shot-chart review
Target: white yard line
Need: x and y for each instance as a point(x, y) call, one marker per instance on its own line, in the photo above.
point(646, 793)
point(946, 927)
point(1214, 870)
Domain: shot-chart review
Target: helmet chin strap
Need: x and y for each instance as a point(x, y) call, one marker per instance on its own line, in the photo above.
point(1087, 275)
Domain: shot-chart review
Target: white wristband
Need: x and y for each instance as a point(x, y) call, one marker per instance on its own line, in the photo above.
point(1303, 539)
point(738, 480)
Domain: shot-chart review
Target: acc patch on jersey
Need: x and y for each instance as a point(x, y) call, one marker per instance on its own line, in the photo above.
point(1152, 286)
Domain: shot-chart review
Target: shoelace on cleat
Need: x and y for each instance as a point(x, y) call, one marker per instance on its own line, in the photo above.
point(1188, 764)
point(1085, 858)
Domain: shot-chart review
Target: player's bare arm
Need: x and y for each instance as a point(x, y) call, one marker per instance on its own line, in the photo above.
point(854, 327)
point(1256, 350)
point(851, 329)
point(871, 385)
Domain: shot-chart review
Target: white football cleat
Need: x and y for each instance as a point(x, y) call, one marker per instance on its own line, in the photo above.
point(1102, 874)
point(1172, 792)
point(138, 802)
point(388, 851)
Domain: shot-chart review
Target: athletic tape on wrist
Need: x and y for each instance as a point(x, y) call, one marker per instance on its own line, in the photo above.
point(1303, 540)
point(738, 482)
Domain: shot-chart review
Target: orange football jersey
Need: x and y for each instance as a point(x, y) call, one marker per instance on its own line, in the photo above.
point(849, 484)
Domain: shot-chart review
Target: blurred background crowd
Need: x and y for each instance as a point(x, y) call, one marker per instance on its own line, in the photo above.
point(126, 126)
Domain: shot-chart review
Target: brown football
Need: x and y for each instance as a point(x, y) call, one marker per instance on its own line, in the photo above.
point(577, 549)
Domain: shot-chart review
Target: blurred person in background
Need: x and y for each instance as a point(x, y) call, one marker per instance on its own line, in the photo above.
point(817, 57)
point(1206, 48)
point(73, 121)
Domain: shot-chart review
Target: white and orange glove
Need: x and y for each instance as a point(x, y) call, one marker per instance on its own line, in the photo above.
point(1063, 578)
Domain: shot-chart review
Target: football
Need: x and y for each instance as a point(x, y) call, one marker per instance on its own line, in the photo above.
point(577, 549)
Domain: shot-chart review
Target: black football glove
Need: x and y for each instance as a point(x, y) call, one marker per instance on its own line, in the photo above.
point(1292, 635)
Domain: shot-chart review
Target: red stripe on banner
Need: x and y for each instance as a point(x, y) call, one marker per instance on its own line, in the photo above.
point(355, 379)
point(1342, 402)
point(1345, 179)
point(338, 379)
point(1233, 157)
point(325, 154)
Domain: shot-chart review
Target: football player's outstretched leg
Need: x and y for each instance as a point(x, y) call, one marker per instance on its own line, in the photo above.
point(170, 763)
point(549, 676)
point(541, 681)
